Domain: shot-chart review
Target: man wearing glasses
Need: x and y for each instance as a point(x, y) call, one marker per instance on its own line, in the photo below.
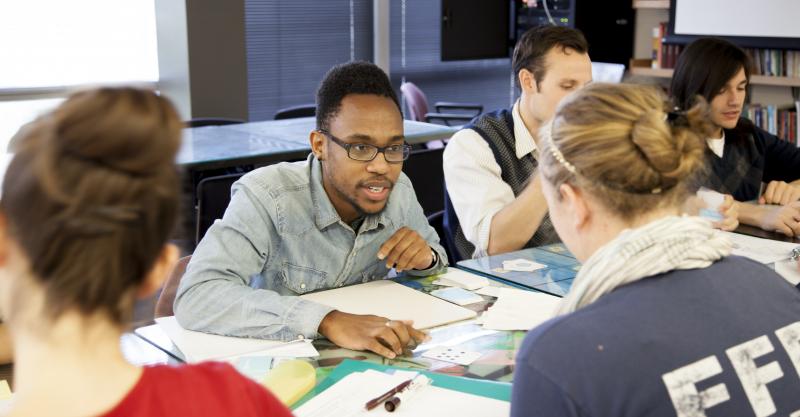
point(344, 216)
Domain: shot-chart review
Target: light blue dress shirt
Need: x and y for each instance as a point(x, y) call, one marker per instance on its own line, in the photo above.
point(282, 230)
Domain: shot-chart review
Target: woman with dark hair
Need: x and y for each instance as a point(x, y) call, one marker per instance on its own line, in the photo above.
point(741, 156)
point(87, 205)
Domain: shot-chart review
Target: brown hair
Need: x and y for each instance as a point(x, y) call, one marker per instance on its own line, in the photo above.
point(625, 148)
point(92, 195)
point(535, 43)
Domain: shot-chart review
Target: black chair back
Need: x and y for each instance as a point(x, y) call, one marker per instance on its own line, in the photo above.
point(212, 121)
point(213, 196)
point(424, 169)
point(303, 110)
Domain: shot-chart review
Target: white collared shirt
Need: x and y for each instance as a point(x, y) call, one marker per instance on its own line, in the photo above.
point(474, 180)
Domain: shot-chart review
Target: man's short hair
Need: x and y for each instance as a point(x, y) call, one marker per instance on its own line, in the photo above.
point(537, 42)
point(357, 77)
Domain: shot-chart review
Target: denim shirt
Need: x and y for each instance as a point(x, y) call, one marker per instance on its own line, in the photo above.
point(282, 230)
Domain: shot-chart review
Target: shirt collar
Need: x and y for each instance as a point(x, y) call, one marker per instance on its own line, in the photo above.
point(524, 143)
point(324, 212)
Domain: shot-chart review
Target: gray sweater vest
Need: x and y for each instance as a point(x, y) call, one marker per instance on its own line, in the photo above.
point(497, 129)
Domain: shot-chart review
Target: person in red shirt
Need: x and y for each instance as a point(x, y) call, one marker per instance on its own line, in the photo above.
point(87, 205)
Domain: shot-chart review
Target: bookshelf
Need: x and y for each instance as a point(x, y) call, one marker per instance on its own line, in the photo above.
point(755, 80)
point(651, 4)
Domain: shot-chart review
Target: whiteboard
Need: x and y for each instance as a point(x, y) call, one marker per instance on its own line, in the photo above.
point(747, 18)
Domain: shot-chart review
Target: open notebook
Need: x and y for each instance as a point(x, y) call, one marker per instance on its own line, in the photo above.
point(394, 301)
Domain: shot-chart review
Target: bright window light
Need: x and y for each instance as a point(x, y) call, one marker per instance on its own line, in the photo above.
point(50, 43)
point(17, 113)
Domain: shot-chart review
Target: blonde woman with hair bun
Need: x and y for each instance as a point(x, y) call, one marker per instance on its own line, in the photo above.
point(661, 320)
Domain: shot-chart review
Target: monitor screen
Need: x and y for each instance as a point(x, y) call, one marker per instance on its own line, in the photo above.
point(475, 29)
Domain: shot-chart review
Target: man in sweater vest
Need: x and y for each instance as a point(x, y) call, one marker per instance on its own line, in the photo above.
point(495, 203)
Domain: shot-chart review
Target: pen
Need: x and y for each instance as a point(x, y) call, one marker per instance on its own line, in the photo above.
point(389, 394)
point(392, 403)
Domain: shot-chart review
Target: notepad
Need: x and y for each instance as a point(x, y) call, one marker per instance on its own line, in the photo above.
point(347, 398)
point(198, 346)
point(394, 301)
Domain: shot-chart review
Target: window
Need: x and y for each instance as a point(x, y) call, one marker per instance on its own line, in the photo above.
point(50, 45)
point(291, 44)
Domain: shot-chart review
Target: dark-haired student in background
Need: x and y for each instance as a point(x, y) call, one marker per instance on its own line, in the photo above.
point(344, 216)
point(88, 203)
point(740, 155)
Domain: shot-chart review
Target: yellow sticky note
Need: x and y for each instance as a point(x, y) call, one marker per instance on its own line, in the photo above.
point(5, 390)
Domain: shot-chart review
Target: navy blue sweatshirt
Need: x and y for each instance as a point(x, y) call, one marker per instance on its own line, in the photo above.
point(718, 341)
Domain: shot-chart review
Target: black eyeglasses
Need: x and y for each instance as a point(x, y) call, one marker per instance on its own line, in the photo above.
point(364, 152)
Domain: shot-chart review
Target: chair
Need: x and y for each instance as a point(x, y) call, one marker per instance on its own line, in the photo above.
point(436, 220)
point(167, 297)
point(213, 196)
point(212, 121)
point(303, 110)
point(424, 168)
point(418, 107)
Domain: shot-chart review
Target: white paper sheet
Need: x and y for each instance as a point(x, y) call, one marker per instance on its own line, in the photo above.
point(458, 278)
point(761, 250)
point(198, 347)
point(520, 310)
point(347, 398)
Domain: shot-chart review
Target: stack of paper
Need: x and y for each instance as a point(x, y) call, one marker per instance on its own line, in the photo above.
point(519, 310)
point(198, 347)
point(348, 397)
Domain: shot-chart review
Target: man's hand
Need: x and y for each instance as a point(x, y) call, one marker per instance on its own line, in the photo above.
point(405, 250)
point(385, 337)
point(730, 213)
point(783, 219)
point(779, 192)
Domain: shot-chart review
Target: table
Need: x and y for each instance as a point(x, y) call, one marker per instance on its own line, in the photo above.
point(555, 279)
point(497, 363)
point(262, 143)
point(746, 229)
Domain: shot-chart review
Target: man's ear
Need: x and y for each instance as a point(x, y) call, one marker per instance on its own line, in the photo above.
point(318, 144)
point(159, 272)
point(575, 201)
point(527, 81)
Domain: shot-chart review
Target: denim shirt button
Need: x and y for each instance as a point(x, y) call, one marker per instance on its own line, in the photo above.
point(303, 286)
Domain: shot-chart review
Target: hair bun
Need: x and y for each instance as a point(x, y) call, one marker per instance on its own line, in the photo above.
point(108, 128)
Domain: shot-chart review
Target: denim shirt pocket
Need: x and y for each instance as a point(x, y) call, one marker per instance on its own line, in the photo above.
point(301, 279)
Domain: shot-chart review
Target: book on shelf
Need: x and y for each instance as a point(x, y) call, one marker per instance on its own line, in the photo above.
point(775, 62)
point(782, 122)
point(658, 40)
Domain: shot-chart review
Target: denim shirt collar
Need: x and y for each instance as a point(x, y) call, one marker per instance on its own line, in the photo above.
point(324, 212)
